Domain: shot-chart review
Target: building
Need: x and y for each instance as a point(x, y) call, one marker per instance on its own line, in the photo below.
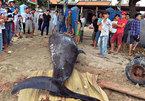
point(90, 7)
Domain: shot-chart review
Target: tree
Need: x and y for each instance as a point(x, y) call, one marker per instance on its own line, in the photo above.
point(41, 3)
point(132, 7)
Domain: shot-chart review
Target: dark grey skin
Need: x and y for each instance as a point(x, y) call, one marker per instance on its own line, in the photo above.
point(64, 53)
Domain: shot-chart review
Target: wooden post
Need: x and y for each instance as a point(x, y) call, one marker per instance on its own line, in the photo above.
point(96, 11)
point(81, 9)
point(48, 4)
point(55, 7)
point(123, 89)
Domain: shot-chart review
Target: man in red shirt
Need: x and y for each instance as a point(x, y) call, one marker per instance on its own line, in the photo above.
point(119, 34)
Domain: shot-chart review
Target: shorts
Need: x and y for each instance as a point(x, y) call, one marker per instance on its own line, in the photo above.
point(29, 28)
point(125, 37)
point(5, 37)
point(98, 35)
point(134, 38)
point(94, 35)
point(69, 29)
point(117, 37)
point(33, 26)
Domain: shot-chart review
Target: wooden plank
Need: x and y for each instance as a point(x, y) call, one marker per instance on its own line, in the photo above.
point(123, 89)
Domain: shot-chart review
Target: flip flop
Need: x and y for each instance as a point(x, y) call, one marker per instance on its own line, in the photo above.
point(110, 52)
point(10, 52)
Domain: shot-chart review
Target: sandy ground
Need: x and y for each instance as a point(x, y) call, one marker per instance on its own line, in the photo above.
point(32, 54)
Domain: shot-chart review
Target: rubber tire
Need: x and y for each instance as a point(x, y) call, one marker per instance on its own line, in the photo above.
point(139, 61)
point(140, 56)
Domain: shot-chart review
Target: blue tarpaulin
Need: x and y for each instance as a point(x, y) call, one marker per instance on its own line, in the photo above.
point(112, 13)
point(75, 16)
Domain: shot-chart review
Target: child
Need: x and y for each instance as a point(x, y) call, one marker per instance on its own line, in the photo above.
point(78, 34)
point(103, 39)
point(19, 26)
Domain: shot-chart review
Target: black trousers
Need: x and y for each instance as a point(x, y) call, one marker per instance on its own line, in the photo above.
point(40, 24)
point(81, 37)
point(24, 27)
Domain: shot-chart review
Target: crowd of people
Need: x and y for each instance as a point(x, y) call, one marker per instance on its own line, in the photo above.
point(12, 23)
point(106, 32)
point(115, 33)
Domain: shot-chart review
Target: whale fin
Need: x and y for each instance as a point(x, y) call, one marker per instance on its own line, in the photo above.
point(81, 52)
point(54, 86)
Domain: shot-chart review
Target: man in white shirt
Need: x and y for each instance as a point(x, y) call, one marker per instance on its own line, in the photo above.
point(55, 22)
point(34, 19)
point(16, 14)
point(103, 39)
point(40, 20)
point(24, 19)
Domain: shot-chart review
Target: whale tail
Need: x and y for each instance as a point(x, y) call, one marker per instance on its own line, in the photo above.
point(54, 86)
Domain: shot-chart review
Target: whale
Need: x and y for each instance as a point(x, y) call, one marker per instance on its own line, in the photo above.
point(64, 53)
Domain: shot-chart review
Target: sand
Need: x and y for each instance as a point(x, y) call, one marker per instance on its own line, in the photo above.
point(32, 54)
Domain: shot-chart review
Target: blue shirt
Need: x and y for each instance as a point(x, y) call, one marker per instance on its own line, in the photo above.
point(12, 9)
point(135, 27)
point(55, 19)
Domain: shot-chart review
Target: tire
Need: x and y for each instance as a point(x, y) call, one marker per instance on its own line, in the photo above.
point(135, 71)
point(140, 56)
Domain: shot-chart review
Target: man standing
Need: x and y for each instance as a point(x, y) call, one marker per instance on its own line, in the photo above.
point(34, 21)
point(135, 32)
point(103, 39)
point(40, 20)
point(3, 17)
point(61, 19)
point(29, 23)
point(55, 22)
point(83, 21)
point(46, 19)
point(126, 32)
point(24, 19)
point(1, 39)
point(8, 24)
point(95, 26)
point(16, 14)
point(68, 22)
point(119, 34)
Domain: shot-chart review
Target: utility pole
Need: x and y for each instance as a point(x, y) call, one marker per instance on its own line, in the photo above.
point(48, 4)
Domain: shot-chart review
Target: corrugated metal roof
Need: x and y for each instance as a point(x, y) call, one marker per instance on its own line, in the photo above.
point(54, 1)
point(99, 3)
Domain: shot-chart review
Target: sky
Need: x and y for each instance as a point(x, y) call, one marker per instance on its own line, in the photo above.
point(142, 3)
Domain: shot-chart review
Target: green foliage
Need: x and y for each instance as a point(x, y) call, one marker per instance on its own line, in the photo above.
point(41, 3)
